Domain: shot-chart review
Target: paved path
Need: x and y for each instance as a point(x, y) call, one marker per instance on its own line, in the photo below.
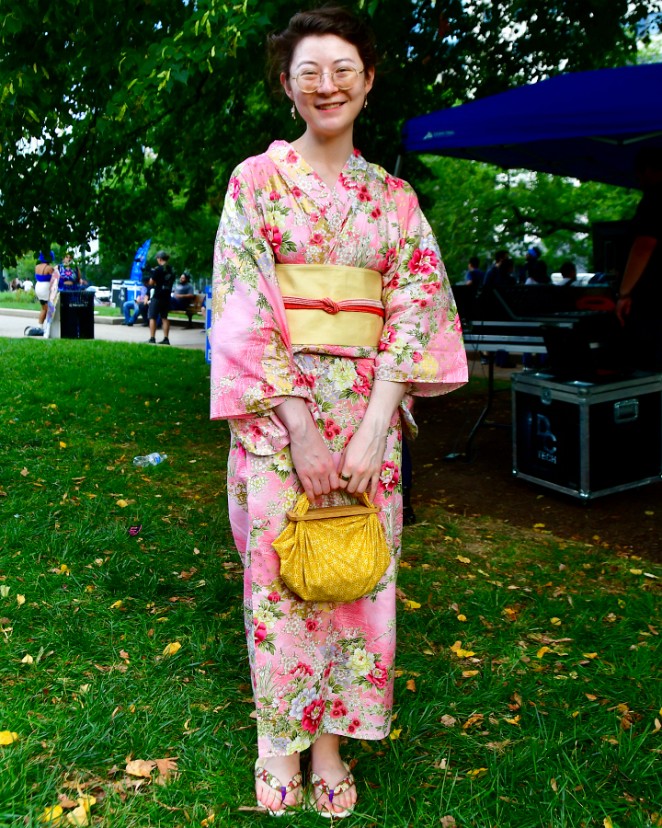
point(14, 322)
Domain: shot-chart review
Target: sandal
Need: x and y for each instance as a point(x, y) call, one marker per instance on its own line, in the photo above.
point(274, 782)
point(320, 787)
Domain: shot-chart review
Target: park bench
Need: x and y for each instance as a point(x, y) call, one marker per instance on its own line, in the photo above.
point(195, 308)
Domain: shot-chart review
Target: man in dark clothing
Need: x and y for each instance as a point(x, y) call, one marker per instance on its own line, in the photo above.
point(474, 275)
point(159, 281)
point(639, 306)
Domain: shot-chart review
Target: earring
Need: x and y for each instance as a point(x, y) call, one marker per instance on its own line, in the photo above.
point(365, 102)
point(294, 113)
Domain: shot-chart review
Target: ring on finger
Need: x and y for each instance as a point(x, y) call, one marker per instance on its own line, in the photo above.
point(346, 477)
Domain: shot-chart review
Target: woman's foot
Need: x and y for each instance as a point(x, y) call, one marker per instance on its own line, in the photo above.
point(333, 787)
point(278, 783)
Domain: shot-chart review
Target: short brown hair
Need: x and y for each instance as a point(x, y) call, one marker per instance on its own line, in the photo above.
point(327, 20)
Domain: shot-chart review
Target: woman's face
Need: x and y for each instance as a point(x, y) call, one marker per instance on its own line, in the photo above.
point(329, 111)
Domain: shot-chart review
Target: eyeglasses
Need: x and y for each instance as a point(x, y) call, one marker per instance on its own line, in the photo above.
point(344, 77)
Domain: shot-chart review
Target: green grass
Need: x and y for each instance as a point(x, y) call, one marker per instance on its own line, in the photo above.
point(502, 733)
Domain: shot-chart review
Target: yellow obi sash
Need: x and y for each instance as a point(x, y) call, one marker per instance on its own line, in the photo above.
point(332, 304)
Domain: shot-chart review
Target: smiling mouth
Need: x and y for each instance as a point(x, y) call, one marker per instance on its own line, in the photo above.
point(335, 105)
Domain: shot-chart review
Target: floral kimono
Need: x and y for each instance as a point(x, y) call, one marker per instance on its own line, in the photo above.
point(319, 668)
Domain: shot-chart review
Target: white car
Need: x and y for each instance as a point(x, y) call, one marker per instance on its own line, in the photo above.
point(101, 294)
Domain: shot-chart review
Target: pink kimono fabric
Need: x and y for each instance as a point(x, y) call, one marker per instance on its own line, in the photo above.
point(319, 668)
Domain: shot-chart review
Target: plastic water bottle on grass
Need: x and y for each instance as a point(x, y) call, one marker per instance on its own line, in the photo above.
point(152, 459)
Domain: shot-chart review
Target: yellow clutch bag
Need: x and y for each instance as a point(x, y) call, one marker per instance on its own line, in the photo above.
point(335, 553)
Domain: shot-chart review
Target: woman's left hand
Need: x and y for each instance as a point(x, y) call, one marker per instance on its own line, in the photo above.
point(361, 463)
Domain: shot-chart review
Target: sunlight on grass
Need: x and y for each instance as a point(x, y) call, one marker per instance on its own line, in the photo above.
point(527, 691)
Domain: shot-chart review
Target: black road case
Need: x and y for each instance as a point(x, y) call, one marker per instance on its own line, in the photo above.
point(76, 314)
point(587, 439)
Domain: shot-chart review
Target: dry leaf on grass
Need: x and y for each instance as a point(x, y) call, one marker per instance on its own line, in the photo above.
point(140, 767)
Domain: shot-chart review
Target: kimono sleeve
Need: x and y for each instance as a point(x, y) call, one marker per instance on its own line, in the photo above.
point(421, 342)
point(252, 368)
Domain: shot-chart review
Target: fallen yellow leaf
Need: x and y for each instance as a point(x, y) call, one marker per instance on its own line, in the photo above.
point(411, 605)
point(463, 560)
point(541, 652)
point(411, 685)
point(476, 772)
point(461, 617)
point(20, 600)
point(514, 721)
point(607, 822)
point(469, 673)
point(208, 820)
point(395, 733)
point(79, 817)
point(52, 816)
point(62, 444)
point(172, 648)
point(8, 736)
point(555, 621)
point(636, 571)
point(27, 659)
point(590, 655)
point(122, 503)
point(116, 605)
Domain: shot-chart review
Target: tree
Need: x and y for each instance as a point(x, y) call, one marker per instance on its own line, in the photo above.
point(125, 119)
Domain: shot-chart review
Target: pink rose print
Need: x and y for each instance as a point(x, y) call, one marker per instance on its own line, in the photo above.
point(317, 238)
point(423, 261)
point(390, 257)
point(393, 183)
point(363, 193)
point(376, 213)
point(395, 281)
point(458, 324)
point(312, 625)
point(356, 153)
point(302, 670)
point(273, 236)
point(416, 356)
point(292, 157)
point(260, 631)
point(331, 429)
point(379, 676)
point(312, 715)
point(362, 382)
point(338, 709)
point(390, 475)
point(274, 597)
point(314, 217)
point(235, 188)
point(431, 288)
point(296, 192)
point(274, 196)
point(327, 669)
point(353, 725)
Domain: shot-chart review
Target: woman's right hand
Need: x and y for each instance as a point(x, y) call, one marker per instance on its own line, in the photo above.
point(313, 462)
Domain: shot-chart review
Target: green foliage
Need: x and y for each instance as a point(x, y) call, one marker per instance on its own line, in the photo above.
point(476, 209)
point(124, 120)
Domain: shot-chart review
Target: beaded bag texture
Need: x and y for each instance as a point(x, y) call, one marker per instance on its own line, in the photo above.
point(334, 553)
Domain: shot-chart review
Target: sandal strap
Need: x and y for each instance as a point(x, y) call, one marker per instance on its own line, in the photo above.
point(274, 782)
point(344, 785)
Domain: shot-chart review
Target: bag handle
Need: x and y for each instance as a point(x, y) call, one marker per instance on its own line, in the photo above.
point(301, 510)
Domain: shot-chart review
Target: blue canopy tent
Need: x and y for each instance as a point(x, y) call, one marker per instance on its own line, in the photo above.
point(587, 125)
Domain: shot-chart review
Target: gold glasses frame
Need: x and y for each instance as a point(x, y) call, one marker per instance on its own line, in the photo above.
point(354, 76)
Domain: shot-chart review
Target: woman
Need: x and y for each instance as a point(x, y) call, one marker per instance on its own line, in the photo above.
point(43, 273)
point(316, 399)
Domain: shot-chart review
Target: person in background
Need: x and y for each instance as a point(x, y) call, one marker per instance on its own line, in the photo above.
point(43, 273)
point(28, 285)
point(69, 277)
point(499, 256)
point(639, 306)
point(133, 309)
point(182, 296)
point(474, 275)
point(569, 274)
point(317, 401)
point(534, 270)
point(16, 284)
point(159, 281)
